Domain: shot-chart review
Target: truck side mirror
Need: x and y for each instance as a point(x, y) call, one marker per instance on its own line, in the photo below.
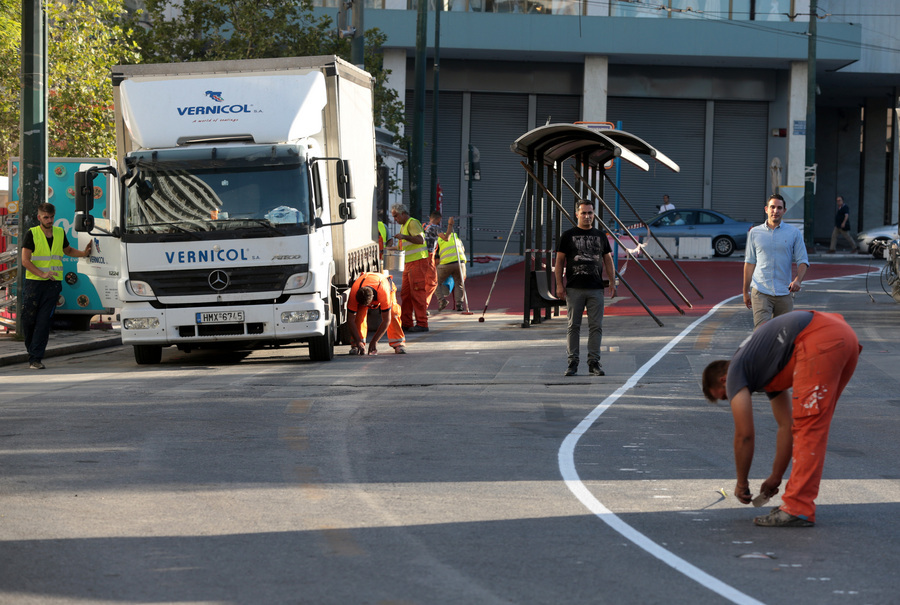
point(344, 186)
point(347, 211)
point(84, 191)
point(84, 223)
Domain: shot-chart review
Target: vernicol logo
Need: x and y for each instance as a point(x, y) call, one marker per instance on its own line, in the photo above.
point(217, 96)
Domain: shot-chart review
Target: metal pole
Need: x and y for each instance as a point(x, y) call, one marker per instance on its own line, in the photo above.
point(809, 190)
point(417, 152)
point(358, 42)
point(33, 129)
point(471, 229)
point(434, 109)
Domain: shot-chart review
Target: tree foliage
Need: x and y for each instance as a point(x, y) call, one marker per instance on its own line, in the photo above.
point(209, 30)
point(85, 39)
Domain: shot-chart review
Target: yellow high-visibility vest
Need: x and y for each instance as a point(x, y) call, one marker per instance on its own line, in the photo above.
point(413, 252)
point(451, 251)
point(43, 257)
point(382, 233)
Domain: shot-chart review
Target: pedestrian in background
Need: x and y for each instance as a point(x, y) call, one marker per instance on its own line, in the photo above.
point(841, 227)
point(43, 248)
point(772, 250)
point(666, 205)
point(813, 353)
point(582, 254)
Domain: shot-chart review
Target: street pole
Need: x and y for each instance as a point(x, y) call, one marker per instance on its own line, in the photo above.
point(32, 130)
point(471, 230)
point(417, 152)
point(434, 110)
point(809, 195)
point(358, 41)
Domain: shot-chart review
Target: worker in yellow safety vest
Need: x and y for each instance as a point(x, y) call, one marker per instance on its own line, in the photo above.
point(419, 274)
point(43, 248)
point(452, 263)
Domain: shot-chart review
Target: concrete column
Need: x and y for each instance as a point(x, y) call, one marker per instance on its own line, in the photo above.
point(395, 60)
point(796, 143)
point(895, 164)
point(596, 88)
point(874, 193)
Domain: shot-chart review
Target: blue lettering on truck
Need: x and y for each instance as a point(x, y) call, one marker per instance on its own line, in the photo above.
point(206, 256)
point(212, 109)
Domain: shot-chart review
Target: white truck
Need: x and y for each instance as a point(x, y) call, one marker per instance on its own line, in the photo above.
point(234, 225)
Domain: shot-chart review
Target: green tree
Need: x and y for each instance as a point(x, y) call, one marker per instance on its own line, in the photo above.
point(211, 30)
point(86, 38)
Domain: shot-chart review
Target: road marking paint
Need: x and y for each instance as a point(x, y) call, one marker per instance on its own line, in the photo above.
point(566, 461)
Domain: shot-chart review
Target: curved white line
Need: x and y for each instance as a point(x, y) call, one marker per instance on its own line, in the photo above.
point(566, 460)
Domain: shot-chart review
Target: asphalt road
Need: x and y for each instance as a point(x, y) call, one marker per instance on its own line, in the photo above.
point(468, 471)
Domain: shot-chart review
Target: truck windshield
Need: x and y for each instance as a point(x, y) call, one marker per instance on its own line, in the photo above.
point(262, 195)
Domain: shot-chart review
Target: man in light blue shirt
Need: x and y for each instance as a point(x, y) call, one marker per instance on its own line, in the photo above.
point(772, 249)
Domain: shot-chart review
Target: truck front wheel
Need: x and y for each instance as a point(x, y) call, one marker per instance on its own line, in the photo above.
point(147, 354)
point(321, 348)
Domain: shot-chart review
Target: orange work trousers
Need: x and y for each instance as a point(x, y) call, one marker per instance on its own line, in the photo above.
point(394, 331)
point(824, 359)
point(419, 284)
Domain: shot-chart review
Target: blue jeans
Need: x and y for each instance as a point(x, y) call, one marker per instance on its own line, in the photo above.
point(577, 300)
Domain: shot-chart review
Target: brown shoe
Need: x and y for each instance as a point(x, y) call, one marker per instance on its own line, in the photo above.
point(780, 518)
point(829, 252)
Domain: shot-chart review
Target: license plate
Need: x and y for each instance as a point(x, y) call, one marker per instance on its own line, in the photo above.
point(220, 317)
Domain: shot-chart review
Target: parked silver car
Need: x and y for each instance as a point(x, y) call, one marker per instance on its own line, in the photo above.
point(866, 240)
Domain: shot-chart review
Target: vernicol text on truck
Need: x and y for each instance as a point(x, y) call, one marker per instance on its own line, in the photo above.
point(235, 223)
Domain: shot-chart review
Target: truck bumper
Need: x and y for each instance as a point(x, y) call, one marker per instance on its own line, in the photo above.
point(299, 318)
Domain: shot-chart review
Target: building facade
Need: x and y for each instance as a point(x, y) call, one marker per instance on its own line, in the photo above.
point(720, 86)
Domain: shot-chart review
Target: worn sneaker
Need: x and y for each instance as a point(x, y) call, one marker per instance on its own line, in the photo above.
point(356, 351)
point(780, 518)
point(417, 329)
point(443, 305)
point(572, 369)
point(36, 365)
point(595, 369)
point(400, 349)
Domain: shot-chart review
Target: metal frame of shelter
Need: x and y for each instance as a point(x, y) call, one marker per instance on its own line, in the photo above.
point(547, 149)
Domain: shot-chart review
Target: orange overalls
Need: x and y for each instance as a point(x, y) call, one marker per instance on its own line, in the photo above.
point(385, 298)
point(823, 361)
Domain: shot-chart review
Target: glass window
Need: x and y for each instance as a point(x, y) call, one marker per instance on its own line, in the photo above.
point(773, 10)
point(707, 218)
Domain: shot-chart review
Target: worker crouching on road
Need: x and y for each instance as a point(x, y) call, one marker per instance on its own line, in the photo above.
point(813, 353)
point(374, 291)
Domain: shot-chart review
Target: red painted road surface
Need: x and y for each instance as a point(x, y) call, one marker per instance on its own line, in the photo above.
point(716, 281)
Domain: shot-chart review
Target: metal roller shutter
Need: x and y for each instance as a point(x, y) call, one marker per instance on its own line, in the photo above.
point(448, 144)
point(677, 128)
point(496, 121)
point(739, 159)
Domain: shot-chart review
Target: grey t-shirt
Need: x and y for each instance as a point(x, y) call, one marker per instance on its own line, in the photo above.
point(765, 353)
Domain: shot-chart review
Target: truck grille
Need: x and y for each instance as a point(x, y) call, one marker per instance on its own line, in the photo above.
point(200, 281)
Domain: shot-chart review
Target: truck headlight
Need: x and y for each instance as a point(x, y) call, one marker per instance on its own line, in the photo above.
point(141, 323)
point(296, 281)
point(289, 317)
point(141, 288)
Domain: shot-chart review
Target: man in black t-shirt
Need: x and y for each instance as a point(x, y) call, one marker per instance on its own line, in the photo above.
point(43, 248)
point(583, 252)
